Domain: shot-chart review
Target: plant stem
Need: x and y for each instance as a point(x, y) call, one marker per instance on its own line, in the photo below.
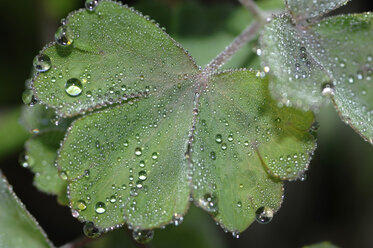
point(253, 8)
point(247, 35)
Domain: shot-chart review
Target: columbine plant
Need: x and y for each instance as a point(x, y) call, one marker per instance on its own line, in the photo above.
point(136, 131)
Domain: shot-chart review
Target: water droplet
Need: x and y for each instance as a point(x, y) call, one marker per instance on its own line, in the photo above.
point(100, 207)
point(177, 219)
point(155, 155)
point(63, 175)
point(134, 191)
point(142, 163)
point(239, 204)
point(75, 213)
point(351, 79)
point(81, 205)
point(143, 236)
point(138, 151)
point(230, 138)
point(91, 231)
point(218, 138)
point(91, 5)
point(327, 90)
point(63, 36)
point(213, 155)
point(142, 175)
point(209, 202)
point(113, 199)
point(23, 160)
point(236, 234)
point(224, 146)
point(264, 215)
point(42, 63)
point(28, 98)
point(73, 87)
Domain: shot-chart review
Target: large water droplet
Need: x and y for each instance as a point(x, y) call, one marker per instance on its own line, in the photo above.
point(73, 87)
point(63, 36)
point(143, 236)
point(100, 208)
point(264, 215)
point(91, 231)
point(42, 63)
point(91, 5)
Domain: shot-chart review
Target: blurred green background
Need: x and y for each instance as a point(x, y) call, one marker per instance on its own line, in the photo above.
point(335, 202)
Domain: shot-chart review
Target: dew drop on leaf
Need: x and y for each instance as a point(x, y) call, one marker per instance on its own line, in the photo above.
point(143, 236)
point(154, 155)
point(218, 138)
point(91, 5)
point(177, 219)
point(63, 36)
point(91, 231)
point(73, 87)
point(63, 175)
point(264, 215)
point(138, 151)
point(81, 205)
point(142, 175)
point(42, 63)
point(100, 208)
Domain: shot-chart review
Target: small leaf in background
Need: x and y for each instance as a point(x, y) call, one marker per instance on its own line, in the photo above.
point(40, 158)
point(18, 227)
point(304, 10)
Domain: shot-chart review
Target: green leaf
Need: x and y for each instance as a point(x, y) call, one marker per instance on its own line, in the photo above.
point(18, 227)
point(238, 138)
point(348, 58)
point(131, 162)
point(105, 154)
point(120, 63)
point(41, 154)
point(296, 77)
point(331, 58)
point(304, 10)
point(11, 132)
